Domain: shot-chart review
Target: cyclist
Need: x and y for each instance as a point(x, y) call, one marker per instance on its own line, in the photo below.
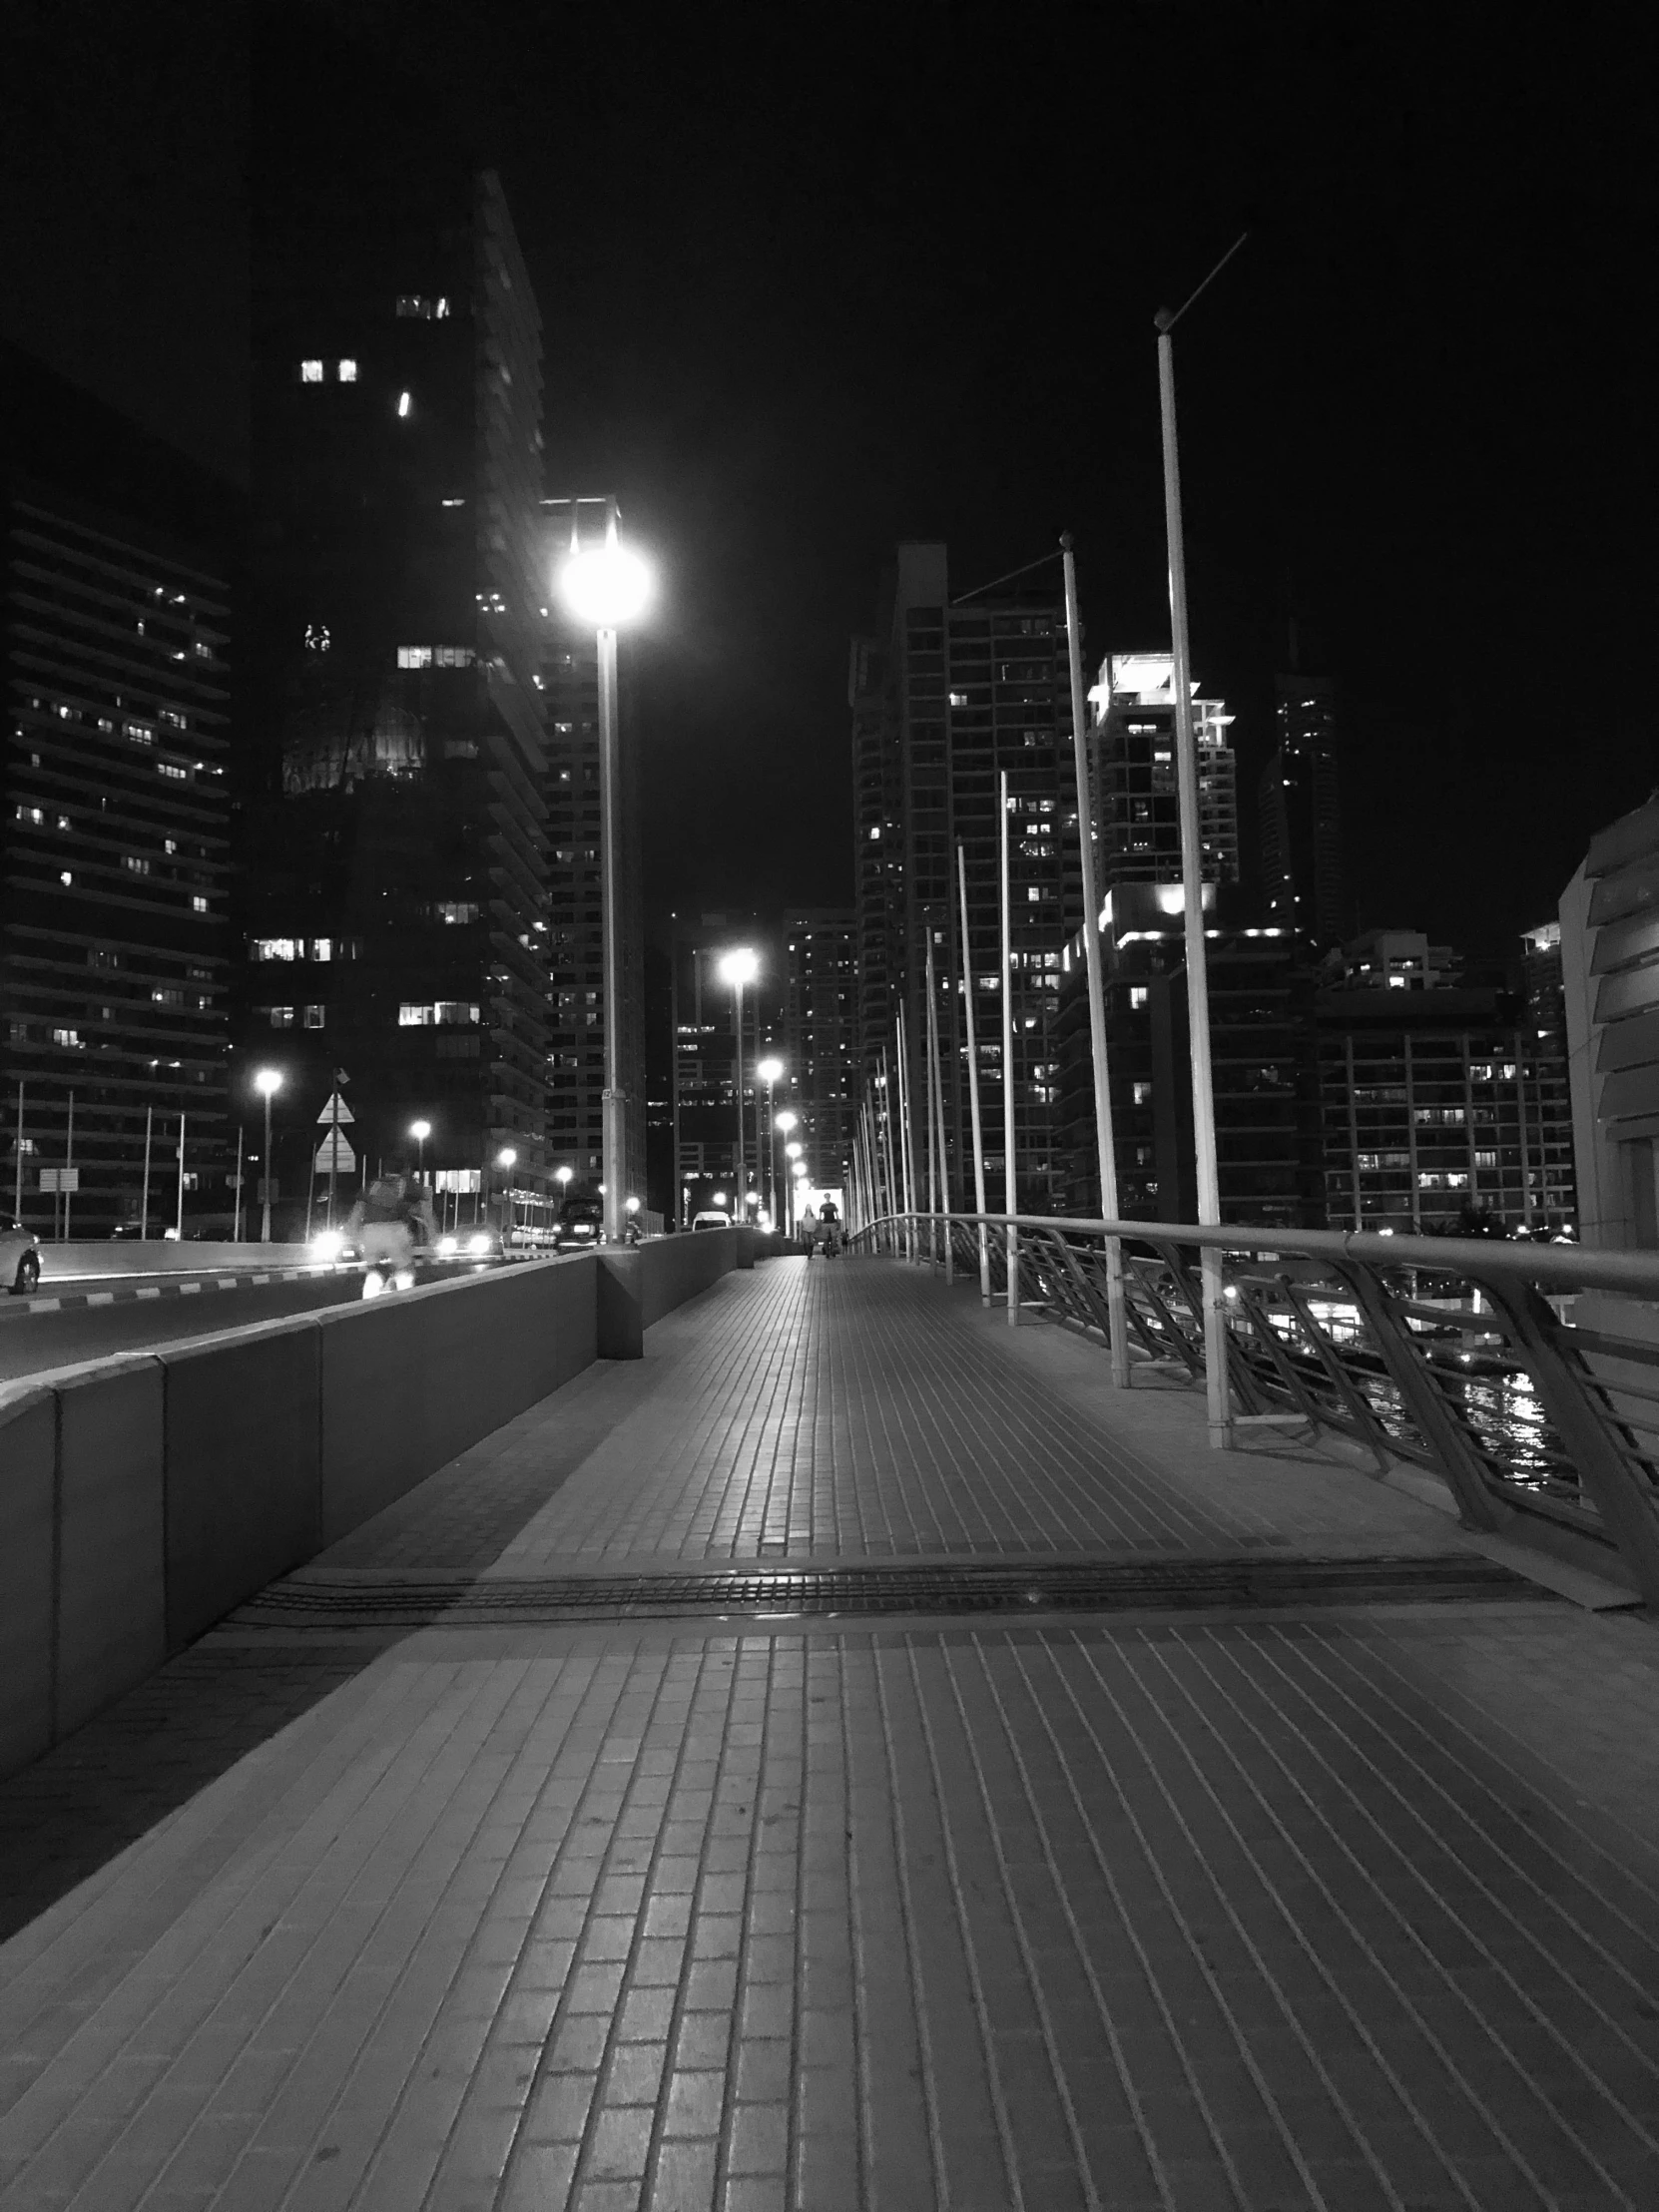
point(391, 1219)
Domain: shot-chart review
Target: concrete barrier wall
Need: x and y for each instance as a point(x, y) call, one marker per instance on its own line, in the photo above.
point(673, 1269)
point(143, 1497)
point(28, 1573)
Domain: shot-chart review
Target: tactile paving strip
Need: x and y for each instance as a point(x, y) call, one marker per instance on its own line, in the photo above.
point(1174, 1585)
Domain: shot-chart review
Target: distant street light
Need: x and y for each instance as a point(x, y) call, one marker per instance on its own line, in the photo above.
point(737, 967)
point(768, 1071)
point(420, 1131)
point(270, 1081)
point(606, 586)
point(506, 1159)
point(785, 1121)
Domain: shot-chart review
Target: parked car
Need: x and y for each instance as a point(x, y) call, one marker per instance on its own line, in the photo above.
point(19, 1256)
point(710, 1219)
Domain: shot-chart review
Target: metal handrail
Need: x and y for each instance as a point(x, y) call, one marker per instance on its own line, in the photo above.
point(1538, 1421)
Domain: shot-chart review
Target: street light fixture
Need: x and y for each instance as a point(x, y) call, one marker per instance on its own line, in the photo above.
point(739, 966)
point(605, 586)
point(768, 1071)
point(420, 1131)
point(270, 1081)
point(506, 1159)
point(785, 1121)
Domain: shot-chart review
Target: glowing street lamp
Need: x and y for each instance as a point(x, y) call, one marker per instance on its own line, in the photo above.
point(420, 1131)
point(605, 586)
point(767, 1071)
point(505, 1160)
point(268, 1081)
point(785, 1121)
point(739, 966)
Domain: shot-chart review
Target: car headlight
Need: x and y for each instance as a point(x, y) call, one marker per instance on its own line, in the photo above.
point(479, 1244)
point(329, 1244)
point(447, 1244)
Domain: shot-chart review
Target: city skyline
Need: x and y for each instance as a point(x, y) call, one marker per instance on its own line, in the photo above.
point(770, 380)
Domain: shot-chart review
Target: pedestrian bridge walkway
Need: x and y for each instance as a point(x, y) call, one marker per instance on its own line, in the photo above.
point(851, 1757)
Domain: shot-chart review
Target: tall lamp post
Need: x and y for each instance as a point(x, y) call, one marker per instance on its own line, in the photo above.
point(420, 1131)
point(505, 1160)
point(737, 967)
point(784, 1123)
point(267, 1081)
point(607, 586)
point(1218, 1395)
point(769, 1072)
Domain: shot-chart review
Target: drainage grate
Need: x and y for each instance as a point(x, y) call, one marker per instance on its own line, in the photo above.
point(1172, 1586)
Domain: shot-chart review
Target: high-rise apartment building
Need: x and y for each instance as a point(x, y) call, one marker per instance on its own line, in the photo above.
point(114, 828)
point(820, 1036)
point(577, 1011)
point(1302, 852)
point(947, 696)
point(1606, 938)
point(1441, 1100)
point(396, 909)
point(1132, 764)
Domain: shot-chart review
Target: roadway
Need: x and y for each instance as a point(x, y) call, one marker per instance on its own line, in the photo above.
point(33, 1338)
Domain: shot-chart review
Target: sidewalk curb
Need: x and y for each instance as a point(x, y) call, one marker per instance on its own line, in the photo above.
point(47, 1302)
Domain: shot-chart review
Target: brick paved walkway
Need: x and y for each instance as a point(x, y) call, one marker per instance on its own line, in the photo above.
point(1265, 1912)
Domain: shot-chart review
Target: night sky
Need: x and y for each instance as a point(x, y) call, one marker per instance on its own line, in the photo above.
point(815, 280)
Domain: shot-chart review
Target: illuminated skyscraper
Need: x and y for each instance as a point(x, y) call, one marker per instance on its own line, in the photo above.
point(1132, 763)
point(1302, 852)
point(947, 696)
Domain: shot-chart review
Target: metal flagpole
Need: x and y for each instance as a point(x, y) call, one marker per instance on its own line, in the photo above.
point(1105, 1144)
point(236, 1224)
point(1011, 1191)
point(927, 1111)
point(1192, 886)
point(973, 1088)
point(935, 1099)
point(68, 1163)
point(894, 1201)
point(179, 1215)
point(334, 1147)
point(906, 1133)
point(17, 1199)
point(144, 1202)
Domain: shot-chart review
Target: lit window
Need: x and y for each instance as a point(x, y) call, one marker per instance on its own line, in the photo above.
point(311, 373)
point(275, 948)
point(452, 656)
point(402, 406)
point(415, 1017)
point(1137, 997)
point(170, 845)
point(139, 733)
point(282, 1017)
point(450, 1010)
point(64, 876)
point(1032, 894)
point(69, 1037)
point(199, 906)
point(349, 373)
point(322, 948)
point(1143, 1094)
point(876, 833)
point(138, 867)
point(172, 768)
point(32, 813)
point(457, 910)
point(415, 656)
point(314, 1017)
point(172, 714)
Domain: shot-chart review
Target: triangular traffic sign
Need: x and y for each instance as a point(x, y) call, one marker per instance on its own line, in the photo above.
point(337, 1152)
point(335, 1114)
